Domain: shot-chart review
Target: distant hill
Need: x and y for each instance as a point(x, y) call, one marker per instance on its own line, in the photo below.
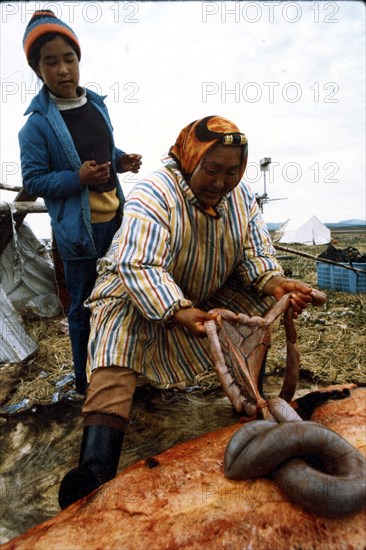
point(273, 226)
point(347, 223)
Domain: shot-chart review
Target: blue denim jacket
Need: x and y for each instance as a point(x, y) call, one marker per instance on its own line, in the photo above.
point(50, 169)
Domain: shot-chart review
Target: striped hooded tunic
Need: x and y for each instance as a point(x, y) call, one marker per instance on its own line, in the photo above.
point(169, 254)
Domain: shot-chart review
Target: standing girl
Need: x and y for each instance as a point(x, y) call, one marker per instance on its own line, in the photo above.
point(69, 158)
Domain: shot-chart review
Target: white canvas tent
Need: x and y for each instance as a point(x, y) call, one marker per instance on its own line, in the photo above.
point(312, 231)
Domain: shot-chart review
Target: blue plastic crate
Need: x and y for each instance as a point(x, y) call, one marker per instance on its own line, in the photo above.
point(335, 277)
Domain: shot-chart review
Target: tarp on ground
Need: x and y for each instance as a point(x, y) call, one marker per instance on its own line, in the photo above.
point(27, 275)
point(15, 344)
point(313, 231)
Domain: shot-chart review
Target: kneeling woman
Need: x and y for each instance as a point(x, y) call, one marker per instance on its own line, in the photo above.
point(192, 239)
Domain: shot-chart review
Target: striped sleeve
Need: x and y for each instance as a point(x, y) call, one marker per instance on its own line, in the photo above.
point(259, 263)
point(144, 259)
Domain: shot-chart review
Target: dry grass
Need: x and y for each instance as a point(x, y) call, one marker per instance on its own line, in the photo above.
point(38, 377)
point(331, 340)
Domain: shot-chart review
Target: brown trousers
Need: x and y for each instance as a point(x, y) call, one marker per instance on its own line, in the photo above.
point(109, 397)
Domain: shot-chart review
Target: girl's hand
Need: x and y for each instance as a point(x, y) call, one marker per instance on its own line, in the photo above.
point(300, 292)
point(129, 163)
point(91, 173)
point(193, 319)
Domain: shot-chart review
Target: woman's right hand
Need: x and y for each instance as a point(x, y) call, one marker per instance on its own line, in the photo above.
point(193, 319)
point(91, 173)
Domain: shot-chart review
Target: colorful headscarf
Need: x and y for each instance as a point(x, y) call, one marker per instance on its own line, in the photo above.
point(198, 137)
point(45, 22)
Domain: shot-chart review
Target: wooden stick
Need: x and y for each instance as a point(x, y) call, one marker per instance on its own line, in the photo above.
point(23, 207)
point(316, 258)
point(7, 187)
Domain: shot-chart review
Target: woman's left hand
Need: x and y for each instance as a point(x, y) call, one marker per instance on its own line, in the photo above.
point(129, 163)
point(300, 292)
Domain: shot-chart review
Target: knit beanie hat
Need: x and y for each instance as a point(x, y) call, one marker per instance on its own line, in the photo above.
point(44, 22)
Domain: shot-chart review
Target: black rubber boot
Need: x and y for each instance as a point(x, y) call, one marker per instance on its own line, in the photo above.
point(99, 457)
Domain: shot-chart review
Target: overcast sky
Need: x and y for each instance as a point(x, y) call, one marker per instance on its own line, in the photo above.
point(291, 75)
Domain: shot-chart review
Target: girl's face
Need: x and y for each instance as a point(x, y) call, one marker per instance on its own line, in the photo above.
point(219, 171)
point(59, 68)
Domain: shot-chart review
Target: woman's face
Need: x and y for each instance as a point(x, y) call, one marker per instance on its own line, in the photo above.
point(59, 68)
point(219, 171)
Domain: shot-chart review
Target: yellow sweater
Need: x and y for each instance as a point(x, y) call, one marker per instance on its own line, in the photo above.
point(103, 206)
